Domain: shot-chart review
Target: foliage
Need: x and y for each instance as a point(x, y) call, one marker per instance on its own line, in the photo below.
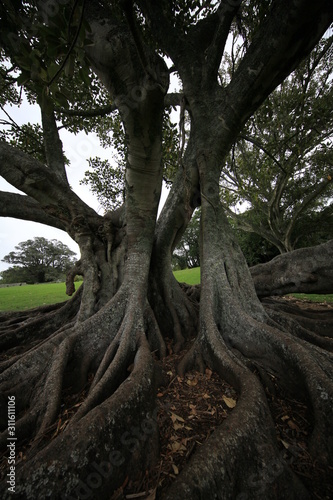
point(281, 166)
point(38, 260)
point(44, 45)
point(255, 248)
point(106, 180)
point(28, 138)
point(43, 59)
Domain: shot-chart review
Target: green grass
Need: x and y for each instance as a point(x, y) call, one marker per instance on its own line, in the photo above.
point(190, 276)
point(19, 298)
point(314, 297)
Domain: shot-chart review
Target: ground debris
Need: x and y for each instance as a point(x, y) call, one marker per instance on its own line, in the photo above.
point(189, 409)
point(293, 425)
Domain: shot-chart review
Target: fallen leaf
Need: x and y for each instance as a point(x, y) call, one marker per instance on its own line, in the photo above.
point(160, 394)
point(208, 373)
point(231, 403)
point(175, 469)
point(285, 417)
point(175, 417)
point(193, 409)
point(176, 446)
point(192, 382)
point(286, 445)
point(206, 396)
point(177, 426)
point(293, 426)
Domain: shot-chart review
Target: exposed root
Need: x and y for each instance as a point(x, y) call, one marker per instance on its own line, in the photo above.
point(37, 324)
point(71, 463)
point(118, 357)
point(155, 339)
point(175, 313)
point(54, 383)
point(244, 460)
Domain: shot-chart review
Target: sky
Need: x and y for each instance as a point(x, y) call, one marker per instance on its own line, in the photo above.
point(78, 148)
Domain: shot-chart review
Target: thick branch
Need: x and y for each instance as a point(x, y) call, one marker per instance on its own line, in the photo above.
point(263, 68)
point(25, 208)
point(210, 36)
point(53, 144)
point(306, 270)
point(40, 183)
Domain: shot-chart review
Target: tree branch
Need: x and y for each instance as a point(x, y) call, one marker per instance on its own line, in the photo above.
point(259, 145)
point(211, 34)
point(53, 145)
point(260, 71)
point(43, 185)
point(25, 208)
point(307, 200)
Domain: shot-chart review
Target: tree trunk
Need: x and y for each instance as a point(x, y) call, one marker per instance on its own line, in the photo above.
point(307, 270)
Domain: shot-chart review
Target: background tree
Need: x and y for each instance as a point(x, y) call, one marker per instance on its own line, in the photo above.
point(96, 355)
point(38, 260)
point(281, 167)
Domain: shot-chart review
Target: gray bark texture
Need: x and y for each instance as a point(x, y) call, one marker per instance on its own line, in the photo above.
point(306, 270)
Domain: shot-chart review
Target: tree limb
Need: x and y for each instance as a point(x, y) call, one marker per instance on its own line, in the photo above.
point(260, 71)
point(259, 145)
point(25, 208)
point(53, 145)
point(43, 185)
point(307, 200)
point(306, 270)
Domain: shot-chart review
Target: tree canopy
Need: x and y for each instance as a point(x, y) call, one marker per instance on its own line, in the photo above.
point(85, 375)
point(38, 260)
point(281, 166)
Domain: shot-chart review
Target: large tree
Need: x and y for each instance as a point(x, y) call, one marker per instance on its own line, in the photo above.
point(102, 340)
point(289, 197)
point(39, 260)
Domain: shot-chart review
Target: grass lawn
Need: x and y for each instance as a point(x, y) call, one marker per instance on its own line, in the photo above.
point(190, 276)
point(314, 297)
point(19, 298)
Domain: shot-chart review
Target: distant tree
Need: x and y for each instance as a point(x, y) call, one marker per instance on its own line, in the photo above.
point(282, 165)
point(38, 260)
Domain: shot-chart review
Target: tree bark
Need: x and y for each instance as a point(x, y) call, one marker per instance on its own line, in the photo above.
point(306, 270)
